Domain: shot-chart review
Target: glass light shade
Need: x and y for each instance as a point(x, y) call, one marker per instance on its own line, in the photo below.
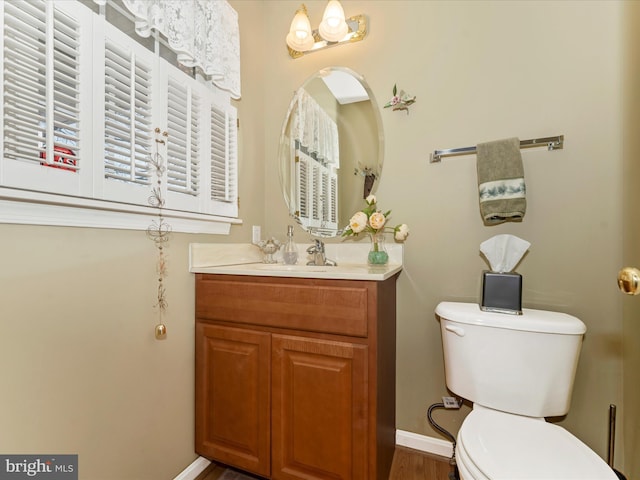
point(300, 37)
point(333, 27)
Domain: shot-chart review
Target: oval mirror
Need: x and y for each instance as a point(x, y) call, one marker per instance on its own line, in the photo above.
point(331, 150)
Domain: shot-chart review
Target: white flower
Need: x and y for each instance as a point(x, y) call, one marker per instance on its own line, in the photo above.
point(358, 222)
point(401, 232)
point(377, 220)
point(374, 221)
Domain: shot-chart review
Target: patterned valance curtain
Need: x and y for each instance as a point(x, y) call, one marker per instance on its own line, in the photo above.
point(203, 33)
point(315, 130)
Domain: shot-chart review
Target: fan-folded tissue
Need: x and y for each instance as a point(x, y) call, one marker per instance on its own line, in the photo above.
point(501, 287)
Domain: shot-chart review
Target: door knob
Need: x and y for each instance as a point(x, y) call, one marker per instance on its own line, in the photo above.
point(629, 280)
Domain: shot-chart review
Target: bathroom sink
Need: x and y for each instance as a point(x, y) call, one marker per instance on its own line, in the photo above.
point(293, 268)
point(246, 259)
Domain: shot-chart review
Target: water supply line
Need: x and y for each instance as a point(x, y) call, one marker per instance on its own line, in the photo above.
point(448, 403)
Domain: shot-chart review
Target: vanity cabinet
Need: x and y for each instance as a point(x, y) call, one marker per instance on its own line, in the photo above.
point(295, 377)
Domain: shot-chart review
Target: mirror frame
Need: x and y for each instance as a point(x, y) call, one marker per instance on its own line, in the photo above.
point(285, 147)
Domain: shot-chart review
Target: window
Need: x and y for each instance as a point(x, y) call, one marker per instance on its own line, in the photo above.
point(317, 191)
point(80, 102)
point(315, 153)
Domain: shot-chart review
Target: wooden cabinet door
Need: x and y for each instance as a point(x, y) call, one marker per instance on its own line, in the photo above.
point(319, 413)
point(232, 396)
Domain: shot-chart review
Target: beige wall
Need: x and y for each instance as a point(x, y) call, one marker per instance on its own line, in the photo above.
point(484, 71)
point(80, 370)
point(359, 141)
point(631, 240)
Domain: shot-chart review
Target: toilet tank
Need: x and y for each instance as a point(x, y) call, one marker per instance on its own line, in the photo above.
point(522, 364)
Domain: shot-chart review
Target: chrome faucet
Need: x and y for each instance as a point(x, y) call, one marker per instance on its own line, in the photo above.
point(318, 256)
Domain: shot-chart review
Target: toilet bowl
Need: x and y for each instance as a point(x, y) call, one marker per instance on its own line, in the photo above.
point(516, 370)
point(528, 448)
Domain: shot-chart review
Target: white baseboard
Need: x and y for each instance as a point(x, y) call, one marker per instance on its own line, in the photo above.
point(412, 440)
point(424, 443)
point(192, 471)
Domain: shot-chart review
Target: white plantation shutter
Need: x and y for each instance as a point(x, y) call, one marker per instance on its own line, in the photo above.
point(328, 198)
point(128, 121)
point(224, 154)
point(202, 148)
point(81, 100)
point(332, 217)
point(317, 195)
point(309, 180)
point(302, 180)
point(325, 192)
point(183, 151)
point(41, 142)
point(65, 90)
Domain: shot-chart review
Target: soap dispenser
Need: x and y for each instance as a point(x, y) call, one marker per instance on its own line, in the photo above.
point(290, 251)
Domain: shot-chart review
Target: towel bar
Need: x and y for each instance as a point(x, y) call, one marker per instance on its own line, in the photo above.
point(552, 143)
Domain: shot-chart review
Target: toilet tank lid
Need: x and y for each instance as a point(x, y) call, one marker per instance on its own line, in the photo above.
point(541, 321)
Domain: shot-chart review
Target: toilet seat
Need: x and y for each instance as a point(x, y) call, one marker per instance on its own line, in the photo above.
point(501, 446)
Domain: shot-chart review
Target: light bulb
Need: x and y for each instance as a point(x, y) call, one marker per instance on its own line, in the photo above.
point(333, 27)
point(300, 37)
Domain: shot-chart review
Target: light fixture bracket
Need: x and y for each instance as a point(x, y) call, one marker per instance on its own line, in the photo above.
point(357, 31)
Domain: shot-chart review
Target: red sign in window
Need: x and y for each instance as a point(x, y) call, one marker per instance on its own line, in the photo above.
point(59, 161)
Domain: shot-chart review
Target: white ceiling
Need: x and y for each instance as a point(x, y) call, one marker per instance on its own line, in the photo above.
point(345, 87)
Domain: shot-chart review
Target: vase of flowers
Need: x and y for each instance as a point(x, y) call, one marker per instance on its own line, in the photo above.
point(378, 253)
point(373, 222)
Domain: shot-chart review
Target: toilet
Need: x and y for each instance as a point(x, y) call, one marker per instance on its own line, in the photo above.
point(517, 370)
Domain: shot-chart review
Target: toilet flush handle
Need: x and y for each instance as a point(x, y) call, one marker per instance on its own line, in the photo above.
point(453, 329)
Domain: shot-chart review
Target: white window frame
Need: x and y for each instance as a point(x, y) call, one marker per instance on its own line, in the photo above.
point(92, 200)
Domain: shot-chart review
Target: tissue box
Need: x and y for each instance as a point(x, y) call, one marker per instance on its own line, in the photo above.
point(502, 292)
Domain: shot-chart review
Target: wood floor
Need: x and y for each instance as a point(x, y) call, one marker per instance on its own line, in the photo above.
point(407, 465)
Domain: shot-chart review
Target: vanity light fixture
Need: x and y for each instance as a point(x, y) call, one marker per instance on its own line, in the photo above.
point(334, 30)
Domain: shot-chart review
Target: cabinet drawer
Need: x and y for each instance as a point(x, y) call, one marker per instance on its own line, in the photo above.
point(338, 306)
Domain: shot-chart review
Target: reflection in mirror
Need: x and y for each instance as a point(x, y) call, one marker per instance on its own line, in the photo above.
point(330, 150)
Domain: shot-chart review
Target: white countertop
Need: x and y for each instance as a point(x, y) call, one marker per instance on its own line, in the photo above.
point(246, 259)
